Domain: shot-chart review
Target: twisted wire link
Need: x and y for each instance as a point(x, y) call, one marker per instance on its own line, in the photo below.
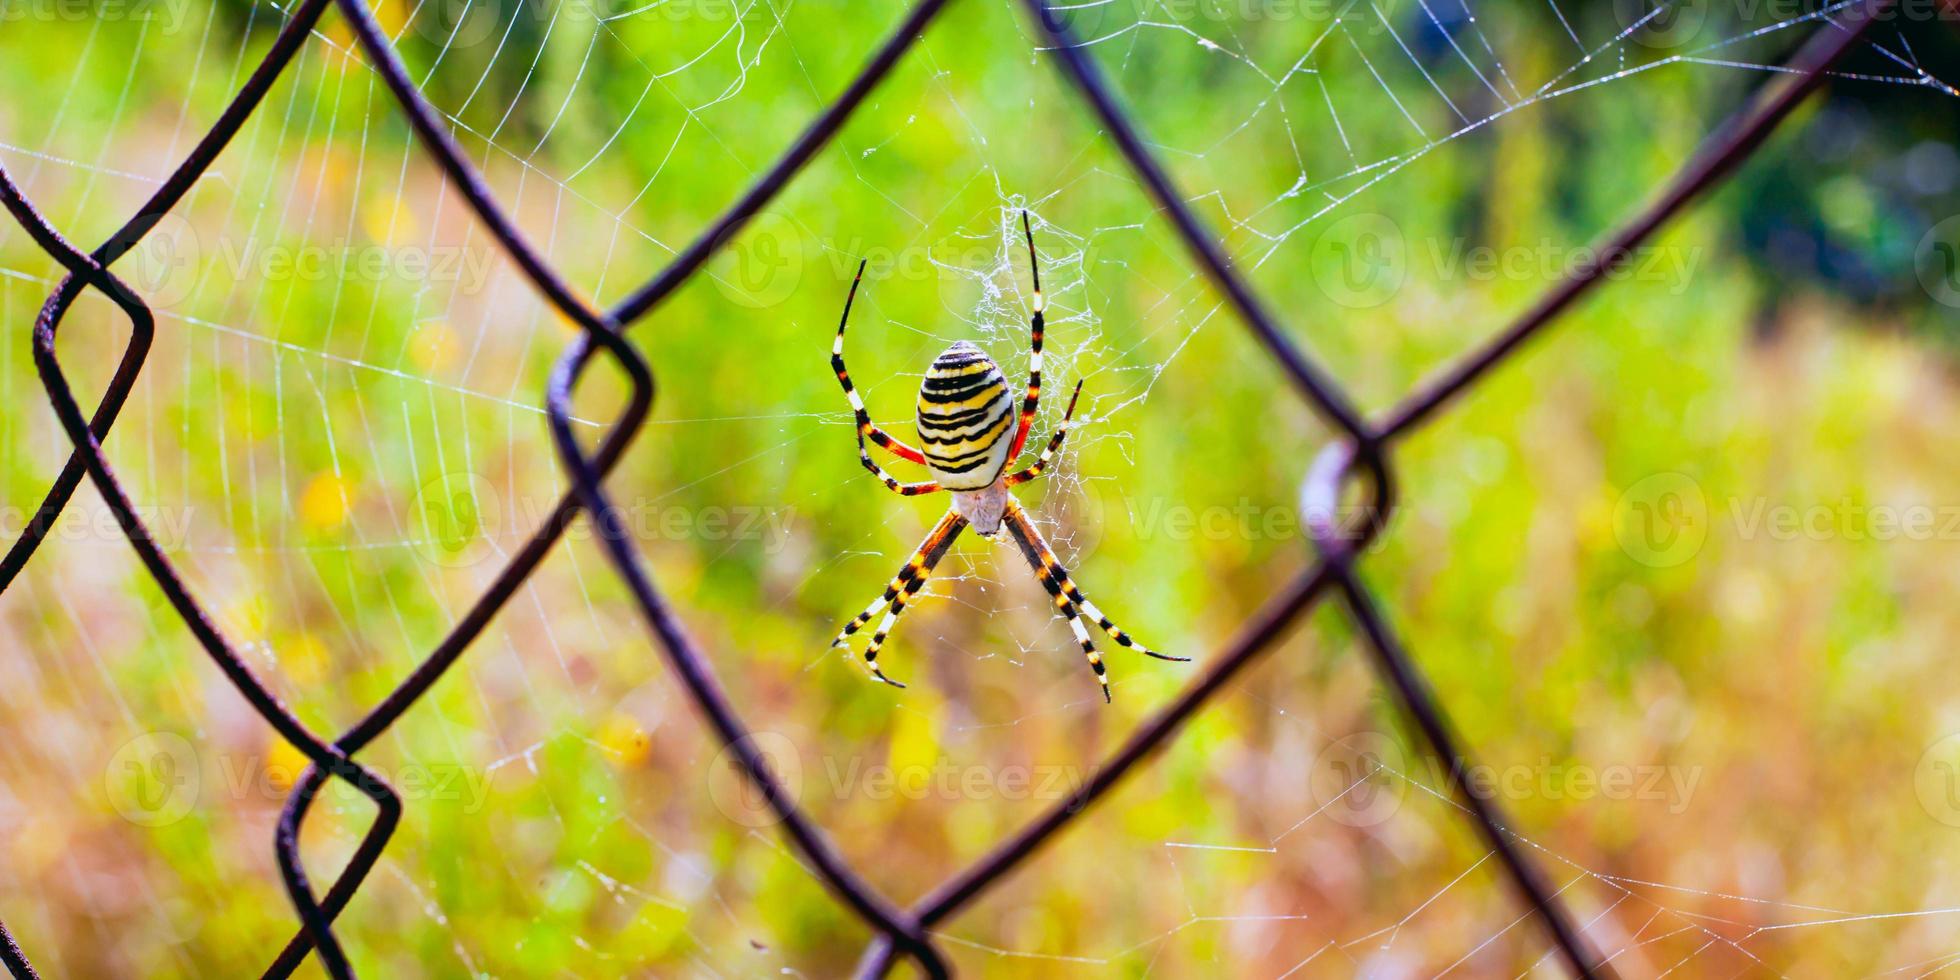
point(1359, 451)
point(91, 270)
point(605, 331)
point(86, 271)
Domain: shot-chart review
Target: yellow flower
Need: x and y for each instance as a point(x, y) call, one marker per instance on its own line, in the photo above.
point(304, 660)
point(323, 502)
point(625, 739)
point(433, 346)
point(284, 763)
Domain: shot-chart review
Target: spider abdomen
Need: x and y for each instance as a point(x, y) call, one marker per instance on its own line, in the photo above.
point(966, 416)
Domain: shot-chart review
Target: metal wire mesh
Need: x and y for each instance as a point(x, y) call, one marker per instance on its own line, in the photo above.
point(1362, 452)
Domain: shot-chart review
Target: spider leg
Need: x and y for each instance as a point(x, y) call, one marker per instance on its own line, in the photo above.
point(903, 586)
point(891, 482)
point(1088, 646)
point(1036, 323)
point(865, 427)
point(1054, 444)
point(1073, 605)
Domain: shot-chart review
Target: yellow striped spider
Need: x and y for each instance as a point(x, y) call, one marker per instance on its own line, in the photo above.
point(965, 411)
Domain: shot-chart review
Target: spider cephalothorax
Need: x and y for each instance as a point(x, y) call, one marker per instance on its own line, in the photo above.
point(966, 419)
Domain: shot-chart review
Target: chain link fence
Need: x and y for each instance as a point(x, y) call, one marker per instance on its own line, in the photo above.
point(1339, 531)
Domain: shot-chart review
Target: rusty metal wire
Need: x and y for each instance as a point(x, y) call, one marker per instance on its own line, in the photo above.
point(1362, 452)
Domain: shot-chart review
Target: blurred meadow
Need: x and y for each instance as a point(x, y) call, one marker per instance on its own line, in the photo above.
point(1685, 572)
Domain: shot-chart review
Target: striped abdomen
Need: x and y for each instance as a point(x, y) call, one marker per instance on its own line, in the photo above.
point(966, 418)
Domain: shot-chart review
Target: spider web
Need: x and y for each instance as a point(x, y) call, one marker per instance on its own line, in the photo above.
point(301, 440)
